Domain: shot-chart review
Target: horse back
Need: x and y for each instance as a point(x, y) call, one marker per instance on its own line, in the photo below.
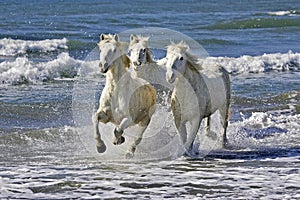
point(217, 88)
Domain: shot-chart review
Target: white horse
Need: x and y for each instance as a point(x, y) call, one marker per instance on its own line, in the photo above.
point(197, 94)
point(148, 69)
point(125, 101)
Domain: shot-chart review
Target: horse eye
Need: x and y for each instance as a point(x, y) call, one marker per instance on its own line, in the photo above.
point(181, 58)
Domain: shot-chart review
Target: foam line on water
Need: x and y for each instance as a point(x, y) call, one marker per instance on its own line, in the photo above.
point(12, 47)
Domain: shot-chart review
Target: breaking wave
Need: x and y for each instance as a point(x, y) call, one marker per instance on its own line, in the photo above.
point(256, 64)
point(23, 69)
point(285, 13)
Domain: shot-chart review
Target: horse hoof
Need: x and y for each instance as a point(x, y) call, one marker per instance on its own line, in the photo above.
point(101, 148)
point(119, 141)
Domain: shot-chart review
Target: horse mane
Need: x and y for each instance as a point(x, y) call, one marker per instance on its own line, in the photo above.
point(192, 60)
point(126, 61)
point(148, 55)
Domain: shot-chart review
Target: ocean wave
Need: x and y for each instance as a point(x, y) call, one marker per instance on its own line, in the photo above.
point(22, 70)
point(11, 47)
point(256, 23)
point(284, 13)
point(257, 64)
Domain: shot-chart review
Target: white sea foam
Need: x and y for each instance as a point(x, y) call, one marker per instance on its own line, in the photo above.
point(22, 70)
point(283, 12)
point(257, 64)
point(265, 130)
point(11, 47)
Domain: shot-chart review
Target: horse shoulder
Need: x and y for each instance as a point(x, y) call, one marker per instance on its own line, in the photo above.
point(176, 110)
point(142, 103)
point(105, 99)
point(148, 93)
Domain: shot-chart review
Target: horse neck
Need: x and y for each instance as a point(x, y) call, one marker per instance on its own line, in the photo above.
point(190, 72)
point(144, 68)
point(117, 69)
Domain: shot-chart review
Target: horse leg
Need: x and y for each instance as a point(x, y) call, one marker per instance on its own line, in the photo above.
point(144, 124)
point(118, 131)
point(209, 133)
point(195, 125)
point(99, 116)
point(182, 132)
point(180, 125)
point(207, 128)
point(225, 113)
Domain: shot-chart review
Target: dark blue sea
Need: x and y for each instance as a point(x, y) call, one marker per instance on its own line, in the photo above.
point(49, 85)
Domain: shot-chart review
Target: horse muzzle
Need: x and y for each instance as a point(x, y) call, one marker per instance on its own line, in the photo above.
point(103, 67)
point(170, 77)
point(137, 63)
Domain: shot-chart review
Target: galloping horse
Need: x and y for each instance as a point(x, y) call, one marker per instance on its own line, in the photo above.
point(197, 94)
point(125, 101)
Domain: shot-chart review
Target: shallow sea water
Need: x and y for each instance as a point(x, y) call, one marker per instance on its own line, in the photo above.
point(46, 143)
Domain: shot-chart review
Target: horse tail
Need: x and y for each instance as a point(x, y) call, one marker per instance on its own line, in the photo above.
point(226, 78)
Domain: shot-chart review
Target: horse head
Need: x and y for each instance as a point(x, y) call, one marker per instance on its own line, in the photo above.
point(110, 50)
point(176, 60)
point(139, 51)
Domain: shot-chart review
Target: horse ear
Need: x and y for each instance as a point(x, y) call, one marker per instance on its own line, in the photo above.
point(102, 36)
point(116, 37)
point(132, 38)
